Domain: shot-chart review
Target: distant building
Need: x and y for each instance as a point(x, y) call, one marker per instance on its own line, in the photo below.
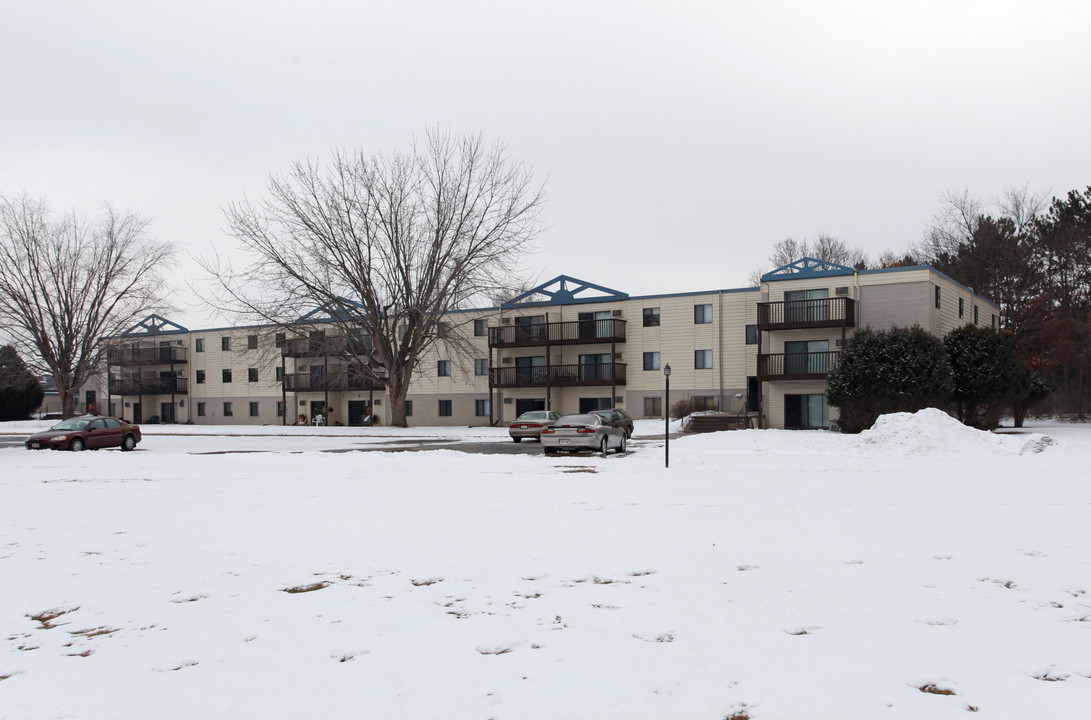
point(568, 345)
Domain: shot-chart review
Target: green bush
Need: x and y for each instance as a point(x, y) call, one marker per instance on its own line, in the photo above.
point(896, 370)
point(988, 371)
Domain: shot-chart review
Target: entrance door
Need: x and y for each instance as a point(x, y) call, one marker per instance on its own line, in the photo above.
point(594, 324)
point(596, 367)
point(530, 328)
point(807, 305)
point(138, 415)
point(357, 410)
point(806, 411)
point(807, 357)
point(317, 407)
point(528, 405)
point(166, 413)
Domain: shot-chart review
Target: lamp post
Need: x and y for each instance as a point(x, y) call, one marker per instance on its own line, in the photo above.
point(667, 417)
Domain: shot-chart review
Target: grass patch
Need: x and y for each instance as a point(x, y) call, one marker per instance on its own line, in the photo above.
point(306, 588)
point(934, 689)
point(46, 617)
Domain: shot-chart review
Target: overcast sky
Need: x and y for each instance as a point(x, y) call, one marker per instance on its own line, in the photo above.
point(679, 139)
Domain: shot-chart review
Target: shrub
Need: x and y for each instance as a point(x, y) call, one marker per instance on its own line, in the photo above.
point(896, 370)
point(988, 372)
point(20, 392)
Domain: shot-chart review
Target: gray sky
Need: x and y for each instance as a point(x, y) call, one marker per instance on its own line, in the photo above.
point(680, 140)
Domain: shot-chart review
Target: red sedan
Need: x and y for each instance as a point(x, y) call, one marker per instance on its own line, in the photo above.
point(88, 432)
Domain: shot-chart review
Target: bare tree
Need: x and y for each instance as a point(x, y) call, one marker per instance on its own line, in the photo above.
point(386, 246)
point(67, 284)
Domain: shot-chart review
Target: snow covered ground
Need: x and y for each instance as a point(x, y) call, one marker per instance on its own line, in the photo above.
point(765, 574)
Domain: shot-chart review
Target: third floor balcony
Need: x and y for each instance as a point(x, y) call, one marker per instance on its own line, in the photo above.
point(803, 314)
point(559, 375)
point(129, 356)
point(572, 332)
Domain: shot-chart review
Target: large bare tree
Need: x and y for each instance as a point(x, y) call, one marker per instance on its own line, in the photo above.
point(67, 284)
point(385, 246)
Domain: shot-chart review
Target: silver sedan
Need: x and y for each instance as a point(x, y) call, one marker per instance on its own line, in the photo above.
point(530, 424)
point(576, 433)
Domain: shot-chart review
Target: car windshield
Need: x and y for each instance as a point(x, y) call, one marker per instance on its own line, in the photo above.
point(71, 424)
point(580, 420)
point(537, 415)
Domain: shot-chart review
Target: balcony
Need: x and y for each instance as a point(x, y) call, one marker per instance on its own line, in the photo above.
point(329, 382)
point(573, 332)
point(332, 346)
point(803, 314)
point(559, 375)
point(796, 366)
point(166, 355)
point(149, 386)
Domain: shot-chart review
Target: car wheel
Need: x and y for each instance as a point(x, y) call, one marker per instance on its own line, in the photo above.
point(621, 447)
point(550, 451)
point(517, 439)
point(128, 443)
point(76, 445)
point(604, 446)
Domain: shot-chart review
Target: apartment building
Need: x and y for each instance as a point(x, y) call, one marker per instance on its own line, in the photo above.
point(762, 353)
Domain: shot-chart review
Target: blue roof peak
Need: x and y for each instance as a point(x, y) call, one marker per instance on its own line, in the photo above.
point(806, 267)
point(563, 290)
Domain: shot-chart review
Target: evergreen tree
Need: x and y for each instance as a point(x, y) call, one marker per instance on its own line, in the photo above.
point(987, 371)
point(20, 392)
point(897, 370)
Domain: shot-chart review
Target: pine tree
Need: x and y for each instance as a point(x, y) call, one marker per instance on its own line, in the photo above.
point(20, 392)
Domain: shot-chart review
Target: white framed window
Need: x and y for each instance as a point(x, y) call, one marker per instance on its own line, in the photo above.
point(702, 359)
point(702, 314)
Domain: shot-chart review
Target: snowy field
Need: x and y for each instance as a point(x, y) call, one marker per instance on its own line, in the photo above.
point(921, 570)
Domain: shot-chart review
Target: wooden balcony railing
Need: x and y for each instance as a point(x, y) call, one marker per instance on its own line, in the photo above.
point(166, 355)
point(559, 375)
point(801, 314)
point(573, 332)
point(796, 366)
point(329, 381)
point(149, 386)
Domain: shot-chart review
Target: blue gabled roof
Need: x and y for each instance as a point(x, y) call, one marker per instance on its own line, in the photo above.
point(154, 325)
point(805, 268)
point(565, 290)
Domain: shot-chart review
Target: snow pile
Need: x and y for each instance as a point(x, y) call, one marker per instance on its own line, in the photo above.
point(934, 432)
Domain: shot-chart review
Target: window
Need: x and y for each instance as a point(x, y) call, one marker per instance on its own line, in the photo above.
point(482, 408)
point(653, 407)
point(200, 409)
point(251, 342)
point(751, 334)
point(651, 317)
point(227, 410)
point(481, 327)
point(806, 411)
point(994, 321)
point(481, 366)
point(702, 359)
point(443, 329)
point(227, 375)
point(445, 408)
point(225, 343)
point(254, 409)
point(702, 314)
point(807, 357)
point(280, 374)
point(200, 377)
point(408, 407)
point(199, 345)
point(975, 314)
point(937, 296)
point(251, 374)
point(961, 307)
point(443, 368)
point(280, 409)
point(651, 361)
point(281, 340)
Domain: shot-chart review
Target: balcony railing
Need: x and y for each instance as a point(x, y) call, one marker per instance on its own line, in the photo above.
point(559, 375)
point(329, 381)
point(149, 386)
point(332, 346)
point(797, 314)
point(573, 332)
point(796, 366)
point(166, 355)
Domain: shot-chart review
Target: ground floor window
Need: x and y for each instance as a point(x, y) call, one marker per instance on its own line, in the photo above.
point(227, 410)
point(482, 408)
point(253, 409)
point(280, 409)
point(200, 409)
point(806, 411)
point(653, 407)
point(408, 408)
point(590, 404)
point(445, 408)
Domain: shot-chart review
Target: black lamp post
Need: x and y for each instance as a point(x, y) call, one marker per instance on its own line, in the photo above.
point(667, 417)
